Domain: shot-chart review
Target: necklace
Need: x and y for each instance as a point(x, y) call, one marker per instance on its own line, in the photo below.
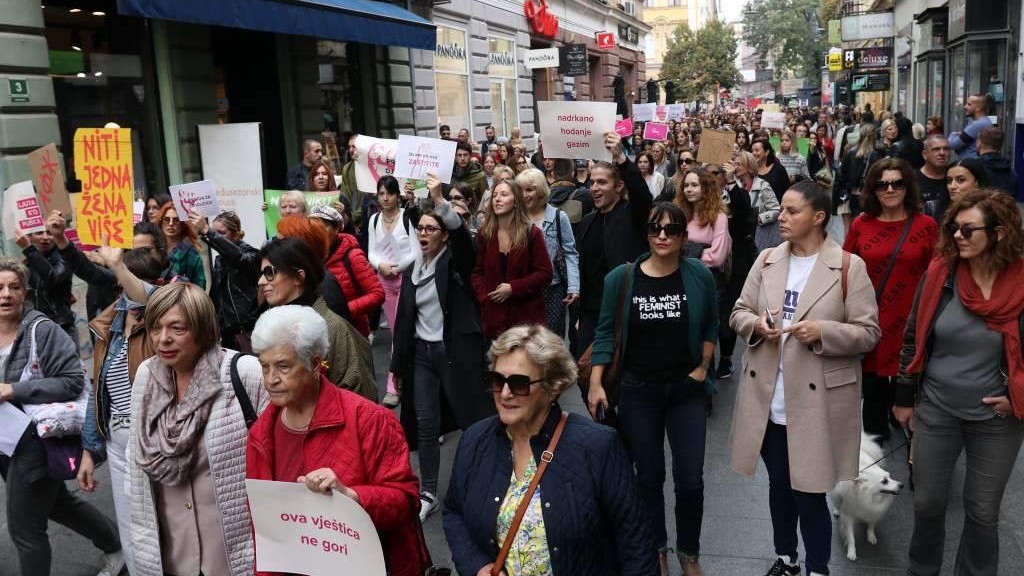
point(385, 218)
point(284, 419)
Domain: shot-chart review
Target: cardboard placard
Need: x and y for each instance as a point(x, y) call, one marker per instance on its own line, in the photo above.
point(199, 196)
point(103, 163)
point(644, 112)
point(302, 532)
point(773, 120)
point(416, 156)
point(22, 211)
point(624, 127)
point(49, 179)
point(375, 157)
point(272, 215)
point(716, 146)
point(575, 130)
point(655, 131)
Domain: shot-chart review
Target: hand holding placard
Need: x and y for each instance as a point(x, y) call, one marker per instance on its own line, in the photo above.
point(613, 142)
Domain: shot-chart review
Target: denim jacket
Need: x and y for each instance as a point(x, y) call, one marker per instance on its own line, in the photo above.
point(550, 228)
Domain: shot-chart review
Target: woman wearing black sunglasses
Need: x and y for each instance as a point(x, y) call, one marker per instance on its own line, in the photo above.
point(961, 385)
point(896, 243)
point(669, 328)
point(439, 345)
point(584, 519)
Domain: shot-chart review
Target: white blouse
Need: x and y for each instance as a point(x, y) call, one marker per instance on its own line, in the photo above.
point(399, 245)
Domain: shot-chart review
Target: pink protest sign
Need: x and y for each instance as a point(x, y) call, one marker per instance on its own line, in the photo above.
point(655, 131)
point(624, 127)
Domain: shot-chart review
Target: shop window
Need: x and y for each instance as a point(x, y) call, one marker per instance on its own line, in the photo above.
point(501, 68)
point(921, 87)
point(958, 88)
point(936, 75)
point(451, 78)
point(333, 71)
point(986, 69)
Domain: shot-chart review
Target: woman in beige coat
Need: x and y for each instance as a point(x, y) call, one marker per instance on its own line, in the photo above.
point(799, 410)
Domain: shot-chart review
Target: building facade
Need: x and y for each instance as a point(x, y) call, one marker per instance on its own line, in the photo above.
point(664, 16)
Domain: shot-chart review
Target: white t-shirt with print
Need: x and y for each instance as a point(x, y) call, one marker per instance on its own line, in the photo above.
point(799, 271)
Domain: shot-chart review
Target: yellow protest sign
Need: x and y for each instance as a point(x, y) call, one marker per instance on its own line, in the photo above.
point(103, 163)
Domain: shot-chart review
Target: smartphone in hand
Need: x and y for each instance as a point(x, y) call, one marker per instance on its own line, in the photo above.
point(769, 321)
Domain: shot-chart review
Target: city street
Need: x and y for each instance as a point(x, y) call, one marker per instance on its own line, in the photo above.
point(736, 537)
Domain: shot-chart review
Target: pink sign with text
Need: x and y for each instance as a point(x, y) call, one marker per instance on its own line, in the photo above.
point(655, 131)
point(624, 127)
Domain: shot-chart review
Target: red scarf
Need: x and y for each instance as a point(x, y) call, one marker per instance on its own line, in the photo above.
point(1001, 313)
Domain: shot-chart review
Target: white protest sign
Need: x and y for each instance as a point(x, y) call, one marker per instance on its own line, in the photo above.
point(776, 120)
point(417, 155)
point(644, 112)
point(375, 157)
point(676, 111)
point(232, 156)
point(543, 58)
point(199, 196)
point(302, 532)
point(22, 210)
point(138, 211)
point(575, 130)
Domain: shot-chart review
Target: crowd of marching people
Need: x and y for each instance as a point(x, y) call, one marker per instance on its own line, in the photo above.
point(873, 280)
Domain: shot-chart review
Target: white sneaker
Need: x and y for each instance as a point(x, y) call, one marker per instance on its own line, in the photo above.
point(113, 564)
point(428, 504)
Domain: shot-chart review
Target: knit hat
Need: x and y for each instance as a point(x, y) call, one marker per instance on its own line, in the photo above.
point(327, 213)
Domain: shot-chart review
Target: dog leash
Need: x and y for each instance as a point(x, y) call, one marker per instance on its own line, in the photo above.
point(887, 454)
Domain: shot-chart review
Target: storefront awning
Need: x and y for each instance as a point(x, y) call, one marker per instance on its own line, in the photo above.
point(347, 20)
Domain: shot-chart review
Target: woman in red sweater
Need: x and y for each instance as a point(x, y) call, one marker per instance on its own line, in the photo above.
point(512, 265)
point(896, 242)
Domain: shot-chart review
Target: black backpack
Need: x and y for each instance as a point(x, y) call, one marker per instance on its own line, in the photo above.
point(248, 412)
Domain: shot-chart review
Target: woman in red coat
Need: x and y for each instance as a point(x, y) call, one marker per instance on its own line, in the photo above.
point(512, 265)
point(348, 263)
point(330, 439)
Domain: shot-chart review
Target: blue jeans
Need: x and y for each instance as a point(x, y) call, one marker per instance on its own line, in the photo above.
point(788, 506)
point(647, 409)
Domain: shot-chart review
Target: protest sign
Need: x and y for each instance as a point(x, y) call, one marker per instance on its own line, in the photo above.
point(49, 179)
point(716, 146)
point(660, 113)
point(802, 144)
point(138, 211)
point(232, 156)
point(655, 131)
point(72, 235)
point(301, 532)
point(770, 107)
point(624, 127)
point(675, 112)
point(773, 120)
point(375, 157)
point(199, 196)
point(542, 58)
point(644, 112)
point(576, 130)
point(22, 210)
point(416, 156)
point(103, 163)
point(272, 215)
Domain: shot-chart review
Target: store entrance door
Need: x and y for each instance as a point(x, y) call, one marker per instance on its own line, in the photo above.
point(247, 64)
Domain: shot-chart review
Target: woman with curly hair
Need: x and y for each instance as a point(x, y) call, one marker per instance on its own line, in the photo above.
point(321, 177)
point(961, 385)
point(707, 219)
point(186, 263)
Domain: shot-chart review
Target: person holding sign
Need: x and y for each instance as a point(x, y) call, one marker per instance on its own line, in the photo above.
point(33, 496)
point(470, 173)
point(330, 439)
point(186, 476)
point(769, 168)
point(181, 247)
point(791, 159)
point(580, 515)
point(49, 278)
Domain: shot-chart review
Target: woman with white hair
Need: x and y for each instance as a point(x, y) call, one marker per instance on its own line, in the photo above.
point(329, 438)
point(564, 288)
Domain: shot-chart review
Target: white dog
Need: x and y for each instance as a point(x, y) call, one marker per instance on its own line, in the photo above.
point(865, 499)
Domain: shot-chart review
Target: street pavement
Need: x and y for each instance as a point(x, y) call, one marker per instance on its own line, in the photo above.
point(736, 538)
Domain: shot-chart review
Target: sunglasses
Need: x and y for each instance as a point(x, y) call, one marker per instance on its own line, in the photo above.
point(966, 230)
point(169, 220)
point(518, 384)
point(672, 229)
point(897, 185)
point(269, 272)
point(686, 161)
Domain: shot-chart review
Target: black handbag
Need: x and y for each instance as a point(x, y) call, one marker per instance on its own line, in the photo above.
point(63, 456)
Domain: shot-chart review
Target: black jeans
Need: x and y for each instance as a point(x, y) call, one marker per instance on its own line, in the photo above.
point(31, 504)
point(879, 395)
point(431, 372)
point(790, 507)
point(647, 410)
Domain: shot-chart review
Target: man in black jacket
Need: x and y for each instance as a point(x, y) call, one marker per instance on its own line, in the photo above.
point(614, 233)
point(1000, 174)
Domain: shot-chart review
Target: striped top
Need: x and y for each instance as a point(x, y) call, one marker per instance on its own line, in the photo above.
point(795, 165)
point(119, 385)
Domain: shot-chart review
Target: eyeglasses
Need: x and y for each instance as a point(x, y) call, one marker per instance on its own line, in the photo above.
point(169, 220)
point(428, 230)
point(269, 272)
point(966, 230)
point(672, 229)
point(518, 384)
point(897, 185)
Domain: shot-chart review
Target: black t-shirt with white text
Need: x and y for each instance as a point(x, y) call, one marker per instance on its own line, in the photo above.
point(658, 327)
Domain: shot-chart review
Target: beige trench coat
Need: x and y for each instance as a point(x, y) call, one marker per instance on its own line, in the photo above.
point(822, 381)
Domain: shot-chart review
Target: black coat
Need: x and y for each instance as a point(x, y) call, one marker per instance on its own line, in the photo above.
point(235, 274)
point(50, 280)
point(463, 399)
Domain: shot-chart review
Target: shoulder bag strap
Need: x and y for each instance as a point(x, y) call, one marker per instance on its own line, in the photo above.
point(892, 258)
point(546, 457)
point(248, 412)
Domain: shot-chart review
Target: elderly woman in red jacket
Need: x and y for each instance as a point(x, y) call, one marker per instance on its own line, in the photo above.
point(348, 263)
point(512, 265)
point(330, 439)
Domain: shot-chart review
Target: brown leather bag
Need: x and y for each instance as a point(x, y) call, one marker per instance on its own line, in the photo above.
point(610, 378)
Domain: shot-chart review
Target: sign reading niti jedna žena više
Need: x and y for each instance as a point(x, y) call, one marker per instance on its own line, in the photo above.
point(576, 130)
point(103, 163)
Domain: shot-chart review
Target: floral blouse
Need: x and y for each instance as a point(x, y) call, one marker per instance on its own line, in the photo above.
point(528, 555)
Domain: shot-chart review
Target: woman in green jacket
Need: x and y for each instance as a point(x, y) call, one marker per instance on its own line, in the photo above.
point(669, 327)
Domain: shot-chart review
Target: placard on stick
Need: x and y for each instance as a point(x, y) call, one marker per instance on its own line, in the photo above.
point(49, 179)
point(103, 162)
point(716, 146)
point(575, 130)
point(417, 156)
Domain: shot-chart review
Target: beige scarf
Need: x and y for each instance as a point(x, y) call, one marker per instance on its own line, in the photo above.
point(169, 431)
